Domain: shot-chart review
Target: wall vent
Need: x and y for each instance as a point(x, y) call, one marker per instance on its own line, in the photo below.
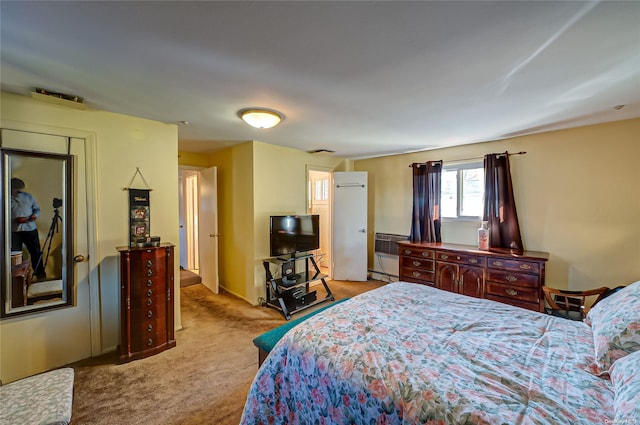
point(386, 243)
point(57, 98)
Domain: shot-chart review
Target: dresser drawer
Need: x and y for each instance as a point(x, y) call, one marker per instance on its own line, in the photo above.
point(513, 292)
point(148, 341)
point(421, 282)
point(146, 325)
point(141, 315)
point(513, 279)
point(417, 252)
point(411, 274)
point(454, 257)
point(139, 303)
point(514, 302)
point(417, 263)
point(148, 288)
point(514, 265)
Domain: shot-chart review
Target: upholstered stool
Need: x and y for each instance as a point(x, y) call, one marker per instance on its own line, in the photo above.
point(40, 399)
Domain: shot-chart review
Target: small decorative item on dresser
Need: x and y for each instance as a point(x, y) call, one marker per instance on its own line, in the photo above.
point(483, 237)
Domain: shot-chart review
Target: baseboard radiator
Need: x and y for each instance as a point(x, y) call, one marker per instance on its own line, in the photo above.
point(386, 254)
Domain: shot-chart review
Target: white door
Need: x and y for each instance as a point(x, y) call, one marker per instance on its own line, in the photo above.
point(182, 232)
point(52, 338)
point(208, 228)
point(350, 226)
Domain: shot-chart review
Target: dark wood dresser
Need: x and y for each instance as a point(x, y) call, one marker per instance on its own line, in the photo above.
point(146, 301)
point(515, 279)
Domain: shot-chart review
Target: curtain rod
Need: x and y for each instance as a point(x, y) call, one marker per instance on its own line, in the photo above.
point(469, 159)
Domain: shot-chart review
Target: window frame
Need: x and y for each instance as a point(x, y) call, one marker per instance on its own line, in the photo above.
point(459, 167)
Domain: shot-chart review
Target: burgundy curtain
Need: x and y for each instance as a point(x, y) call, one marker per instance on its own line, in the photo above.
point(425, 222)
point(500, 205)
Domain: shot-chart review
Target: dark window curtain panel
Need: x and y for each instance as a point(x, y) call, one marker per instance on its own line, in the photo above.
point(425, 223)
point(500, 205)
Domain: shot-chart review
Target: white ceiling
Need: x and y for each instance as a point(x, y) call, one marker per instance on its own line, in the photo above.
point(358, 77)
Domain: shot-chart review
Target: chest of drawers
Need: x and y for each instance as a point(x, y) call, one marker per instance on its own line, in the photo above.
point(515, 279)
point(146, 301)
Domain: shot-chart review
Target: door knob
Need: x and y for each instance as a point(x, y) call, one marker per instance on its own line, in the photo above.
point(78, 258)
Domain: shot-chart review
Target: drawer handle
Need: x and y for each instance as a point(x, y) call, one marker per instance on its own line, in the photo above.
point(149, 272)
point(511, 278)
point(498, 263)
point(150, 328)
point(425, 254)
point(416, 274)
point(511, 292)
point(149, 263)
point(416, 263)
point(149, 292)
point(525, 266)
point(407, 251)
point(473, 261)
point(149, 302)
point(149, 314)
point(149, 282)
point(444, 256)
point(150, 342)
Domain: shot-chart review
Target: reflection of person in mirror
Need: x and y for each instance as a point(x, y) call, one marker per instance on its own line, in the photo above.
point(24, 213)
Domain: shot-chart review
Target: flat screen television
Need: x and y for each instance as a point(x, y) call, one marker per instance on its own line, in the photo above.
point(291, 234)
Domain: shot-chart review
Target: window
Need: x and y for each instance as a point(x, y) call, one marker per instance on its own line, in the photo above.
point(462, 190)
point(321, 192)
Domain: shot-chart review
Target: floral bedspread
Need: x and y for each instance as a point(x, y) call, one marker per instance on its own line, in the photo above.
point(410, 354)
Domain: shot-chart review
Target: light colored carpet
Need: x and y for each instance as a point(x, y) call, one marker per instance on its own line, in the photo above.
point(203, 380)
point(188, 278)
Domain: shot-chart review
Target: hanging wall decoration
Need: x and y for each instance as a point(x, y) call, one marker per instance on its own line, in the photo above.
point(140, 215)
point(139, 219)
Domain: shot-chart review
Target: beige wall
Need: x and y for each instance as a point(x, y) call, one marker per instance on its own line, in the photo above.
point(235, 216)
point(192, 159)
point(122, 143)
point(257, 180)
point(577, 197)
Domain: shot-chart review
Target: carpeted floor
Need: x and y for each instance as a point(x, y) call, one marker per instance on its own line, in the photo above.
point(188, 278)
point(203, 380)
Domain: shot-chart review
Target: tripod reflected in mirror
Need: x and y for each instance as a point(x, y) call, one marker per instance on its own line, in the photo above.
point(53, 229)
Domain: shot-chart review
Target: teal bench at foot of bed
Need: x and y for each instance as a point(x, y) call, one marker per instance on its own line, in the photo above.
point(269, 339)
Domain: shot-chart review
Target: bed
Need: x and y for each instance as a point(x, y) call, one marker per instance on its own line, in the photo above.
point(410, 354)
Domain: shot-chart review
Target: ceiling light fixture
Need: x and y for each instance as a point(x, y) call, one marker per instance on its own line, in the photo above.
point(260, 117)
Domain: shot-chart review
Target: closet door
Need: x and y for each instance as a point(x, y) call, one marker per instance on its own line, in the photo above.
point(350, 226)
point(58, 335)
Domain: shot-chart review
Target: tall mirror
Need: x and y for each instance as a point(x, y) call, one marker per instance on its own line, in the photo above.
point(37, 272)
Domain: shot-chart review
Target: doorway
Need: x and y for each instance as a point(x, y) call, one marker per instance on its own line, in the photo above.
point(198, 221)
point(319, 202)
point(188, 219)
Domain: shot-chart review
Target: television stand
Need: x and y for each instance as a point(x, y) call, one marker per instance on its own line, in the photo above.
point(290, 293)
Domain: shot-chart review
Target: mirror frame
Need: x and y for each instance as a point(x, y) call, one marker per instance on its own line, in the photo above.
point(68, 287)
